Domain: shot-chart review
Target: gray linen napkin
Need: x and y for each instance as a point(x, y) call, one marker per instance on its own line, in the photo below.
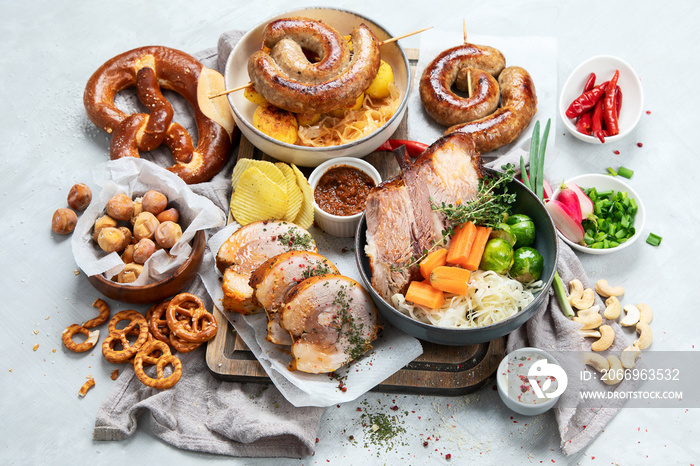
point(549, 330)
point(201, 413)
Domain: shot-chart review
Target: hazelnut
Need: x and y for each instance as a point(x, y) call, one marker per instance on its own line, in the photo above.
point(79, 196)
point(128, 254)
point(154, 202)
point(143, 250)
point(102, 222)
point(111, 239)
point(120, 207)
point(145, 226)
point(170, 214)
point(167, 234)
point(130, 273)
point(63, 221)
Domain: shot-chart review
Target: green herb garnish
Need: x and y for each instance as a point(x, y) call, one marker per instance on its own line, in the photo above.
point(653, 239)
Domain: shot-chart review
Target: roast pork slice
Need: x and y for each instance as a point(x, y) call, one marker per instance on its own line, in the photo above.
point(391, 244)
point(332, 320)
point(246, 249)
point(450, 169)
point(273, 279)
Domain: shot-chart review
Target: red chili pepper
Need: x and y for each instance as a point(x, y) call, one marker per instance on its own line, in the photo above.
point(583, 125)
point(590, 84)
point(609, 112)
point(618, 100)
point(586, 101)
point(597, 121)
point(414, 148)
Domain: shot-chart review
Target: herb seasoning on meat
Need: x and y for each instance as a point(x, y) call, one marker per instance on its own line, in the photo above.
point(343, 190)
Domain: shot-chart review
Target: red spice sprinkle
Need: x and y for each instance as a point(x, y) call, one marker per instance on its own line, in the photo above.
point(584, 426)
point(359, 409)
point(425, 444)
point(448, 456)
point(616, 152)
point(394, 408)
point(316, 439)
point(639, 144)
point(648, 112)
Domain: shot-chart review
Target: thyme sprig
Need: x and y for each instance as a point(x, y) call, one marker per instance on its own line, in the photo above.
point(490, 206)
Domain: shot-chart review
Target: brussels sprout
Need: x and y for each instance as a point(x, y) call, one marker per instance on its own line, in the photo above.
point(498, 256)
point(523, 228)
point(503, 231)
point(527, 265)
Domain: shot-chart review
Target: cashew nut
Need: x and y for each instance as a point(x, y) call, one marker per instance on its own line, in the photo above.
point(606, 339)
point(645, 335)
point(628, 357)
point(596, 361)
point(613, 308)
point(645, 313)
point(585, 301)
point(632, 315)
point(590, 318)
point(575, 289)
point(616, 372)
point(590, 333)
point(605, 290)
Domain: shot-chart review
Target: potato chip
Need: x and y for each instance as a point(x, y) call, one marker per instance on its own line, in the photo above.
point(268, 168)
point(257, 197)
point(294, 195)
point(305, 218)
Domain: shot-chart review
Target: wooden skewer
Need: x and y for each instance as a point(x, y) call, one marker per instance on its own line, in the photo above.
point(393, 39)
point(464, 29)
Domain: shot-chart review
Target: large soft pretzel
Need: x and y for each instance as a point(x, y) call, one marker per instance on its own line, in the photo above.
point(149, 69)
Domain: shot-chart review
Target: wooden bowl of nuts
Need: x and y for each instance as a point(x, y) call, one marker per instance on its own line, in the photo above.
point(140, 230)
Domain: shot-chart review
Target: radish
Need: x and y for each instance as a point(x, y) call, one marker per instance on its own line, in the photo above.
point(570, 199)
point(564, 221)
point(583, 200)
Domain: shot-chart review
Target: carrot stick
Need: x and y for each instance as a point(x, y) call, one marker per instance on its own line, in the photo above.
point(478, 246)
point(425, 295)
point(432, 260)
point(461, 243)
point(450, 279)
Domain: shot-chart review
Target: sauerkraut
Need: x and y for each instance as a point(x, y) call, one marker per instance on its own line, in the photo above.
point(491, 298)
point(356, 124)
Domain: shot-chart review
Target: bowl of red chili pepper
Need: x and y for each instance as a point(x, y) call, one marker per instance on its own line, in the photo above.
point(602, 100)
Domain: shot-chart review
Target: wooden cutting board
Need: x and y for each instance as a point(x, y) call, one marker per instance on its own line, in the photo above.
point(440, 370)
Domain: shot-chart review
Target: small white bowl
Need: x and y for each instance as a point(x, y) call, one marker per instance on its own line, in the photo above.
point(338, 225)
point(236, 74)
point(604, 67)
point(605, 183)
point(505, 377)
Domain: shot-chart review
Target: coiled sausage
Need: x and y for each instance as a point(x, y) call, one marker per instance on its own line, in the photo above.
point(300, 91)
point(469, 67)
point(518, 107)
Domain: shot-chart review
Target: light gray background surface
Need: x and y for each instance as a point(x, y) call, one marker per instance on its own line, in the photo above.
point(49, 50)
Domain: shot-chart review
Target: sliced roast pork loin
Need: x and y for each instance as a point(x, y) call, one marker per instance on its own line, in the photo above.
point(246, 249)
point(332, 320)
point(401, 223)
point(276, 276)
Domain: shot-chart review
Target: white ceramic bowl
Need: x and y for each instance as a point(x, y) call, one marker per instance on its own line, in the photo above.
point(236, 74)
point(604, 67)
point(337, 225)
point(504, 376)
point(604, 183)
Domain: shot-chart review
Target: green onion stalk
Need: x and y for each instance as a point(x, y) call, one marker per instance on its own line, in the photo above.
point(534, 180)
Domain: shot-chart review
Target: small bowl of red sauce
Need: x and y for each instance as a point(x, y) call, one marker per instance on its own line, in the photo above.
point(340, 189)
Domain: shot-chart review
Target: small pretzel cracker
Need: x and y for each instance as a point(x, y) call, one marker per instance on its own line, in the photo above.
point(103, 316)
point(120, 336)
point(199, 326)
point(87, 345)
point(181, 345)
point(144, 355)
point(86, 386)
point(157, 323)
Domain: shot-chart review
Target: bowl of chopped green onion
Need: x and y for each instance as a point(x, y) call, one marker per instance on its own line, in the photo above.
point(617, 219)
